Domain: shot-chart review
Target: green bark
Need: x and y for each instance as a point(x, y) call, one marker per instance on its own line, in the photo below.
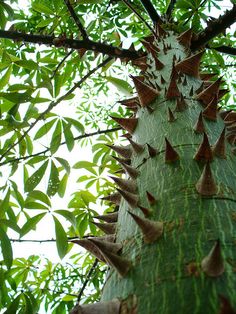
point(166, 276)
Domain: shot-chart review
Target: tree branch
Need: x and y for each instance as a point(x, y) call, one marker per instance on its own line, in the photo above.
point(216, 27)
point(170, 9)
point(61, 62)
point(76, 19)
point(224, 49)
point(71, 43)
point(53, 104)
point(148, 6)
point(63, 143)
point(87, 280)
point(138, 15)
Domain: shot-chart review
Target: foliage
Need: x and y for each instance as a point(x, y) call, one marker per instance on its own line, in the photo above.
point(47, 112)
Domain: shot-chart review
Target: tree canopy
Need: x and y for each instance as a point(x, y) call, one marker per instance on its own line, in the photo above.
point(65, 67)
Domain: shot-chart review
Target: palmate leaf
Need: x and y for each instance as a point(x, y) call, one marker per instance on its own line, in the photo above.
point(44, 129)
point(5, 78)
point(6, 248)
point(63, 185)
point(120, 84)
point(36, 177)
point(61, 238)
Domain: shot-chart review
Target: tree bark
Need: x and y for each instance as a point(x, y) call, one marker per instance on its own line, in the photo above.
point(192, 264)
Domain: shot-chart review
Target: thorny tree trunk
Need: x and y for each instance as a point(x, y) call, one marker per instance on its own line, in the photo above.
point(178, 208)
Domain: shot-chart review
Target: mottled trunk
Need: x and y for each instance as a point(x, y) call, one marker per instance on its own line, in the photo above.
point(186, 262)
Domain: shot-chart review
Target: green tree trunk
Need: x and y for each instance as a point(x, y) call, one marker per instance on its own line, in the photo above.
point(177, 226)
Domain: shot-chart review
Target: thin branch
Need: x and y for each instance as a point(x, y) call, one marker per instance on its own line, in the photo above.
point(71, 43)
point(170, 9)
point(76, 19)
point(148, 6)
point(63, 143)
point(138, 15)
point(216, 27)
point(53, 104)
point(87, 280)
point(224, 49)
point(61, 62)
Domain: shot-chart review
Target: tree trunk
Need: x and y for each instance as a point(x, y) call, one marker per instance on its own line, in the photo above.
point(176, 227)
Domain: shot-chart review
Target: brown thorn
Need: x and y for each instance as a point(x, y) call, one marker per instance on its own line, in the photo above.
point(206, 185)
point(108, 228)
point(151, 230)
point(138, 148)
point(208, 93)
point(121, 265)
point(129, 124)
point(181, 104)
point(171, 117)
point(151, 198)
point(204, 152)
point(210, 112)
point(170, 154)
point(190, 65)
point(127, 185)
point(124, 151)
point(219, 148)
point(146, 211)
point(110, 217)
point(130, 198)
point(185, 38)
point(199, 126)
point(152, 151)
point(106, 246)
point(114, 198)
point(146, 93)
point(213, 264)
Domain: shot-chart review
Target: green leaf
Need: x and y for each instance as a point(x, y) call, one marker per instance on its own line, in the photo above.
point(27, 64)
point(5, 202)
point(41, 8)
point(67, 215)
point(11, 224)
point(31, 224)
point(36, 177)
point(44, 129)
point(6, 248)
point(120, 84)
point(65, 164)
point(83, 226)
point(87, 165)
point(14, 306)
point(76, 124)
point(39, 195)
point(56, 138)
point(61, 238)
point(5, 78)
point(63, 185)
point(54, 181)
point(68, 136)
point(35, 205)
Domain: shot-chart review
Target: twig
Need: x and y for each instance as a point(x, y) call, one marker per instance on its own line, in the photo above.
point(87, 280)
point(61, 62)
point(148, 6)
point(53, 104)
point(138, 15)
point(76, 19)
point(216, 27)
point(63, 143)
point(71, 43)
point(170, 9)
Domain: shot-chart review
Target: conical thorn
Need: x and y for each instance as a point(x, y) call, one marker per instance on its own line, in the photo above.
point(151, 230)
point(213, 264)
